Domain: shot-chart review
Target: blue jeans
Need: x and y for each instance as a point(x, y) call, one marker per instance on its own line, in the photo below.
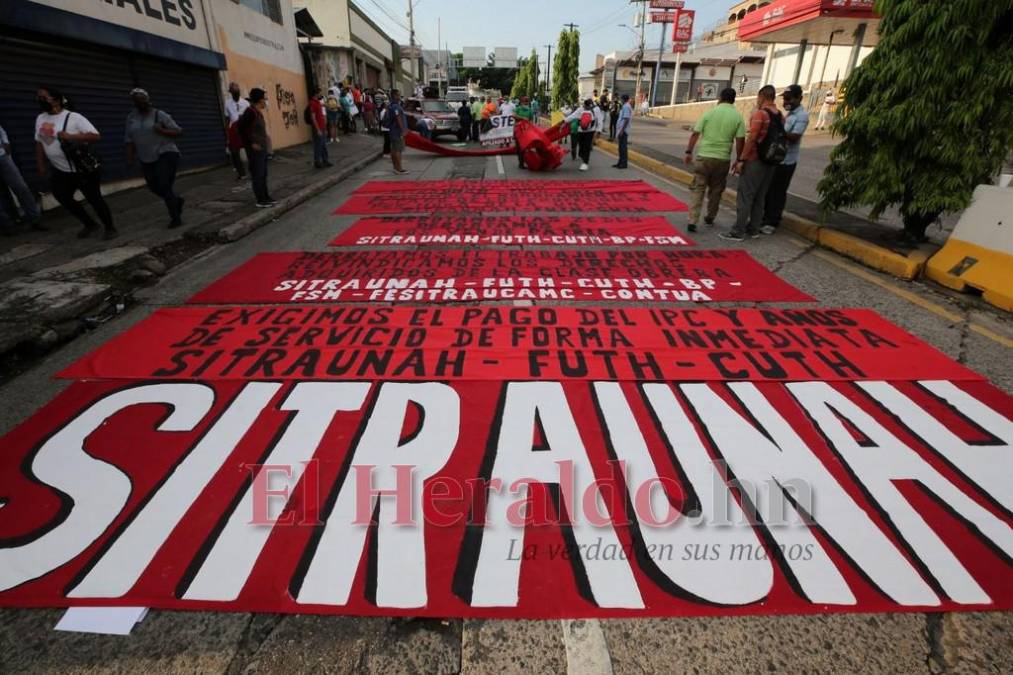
point(624, 151)
point(10, 177)
point(319, 148)
point(160, 176)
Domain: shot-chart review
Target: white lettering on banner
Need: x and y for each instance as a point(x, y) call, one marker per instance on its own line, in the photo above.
point(401, 547)
point(97, 490)
point(898, 551)
point(516, 464)
point(728, 580)
point(121, 566)
point(500, 132)
point(885, 460)
point(223, 574)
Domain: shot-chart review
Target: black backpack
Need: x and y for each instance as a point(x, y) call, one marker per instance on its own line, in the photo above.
point(774, 146)
point(307, 116)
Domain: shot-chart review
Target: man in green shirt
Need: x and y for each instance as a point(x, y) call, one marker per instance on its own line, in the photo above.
point(715, 131)
point(476, 117)
point(524, 112)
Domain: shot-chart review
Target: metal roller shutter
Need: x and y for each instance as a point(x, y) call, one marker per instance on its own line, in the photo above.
point(97, 81)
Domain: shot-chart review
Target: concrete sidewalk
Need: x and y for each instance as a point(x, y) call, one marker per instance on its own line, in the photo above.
point(54, 285)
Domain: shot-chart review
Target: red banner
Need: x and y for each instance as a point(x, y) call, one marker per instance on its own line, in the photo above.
point(405, 197)
point(512, 499)
point(465, 230)
point(682, 31)
point(727, 275)
point(515, 343)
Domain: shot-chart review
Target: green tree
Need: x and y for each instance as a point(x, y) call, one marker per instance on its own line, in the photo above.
point(565, 69)
point(928, 115)
point(526, 82)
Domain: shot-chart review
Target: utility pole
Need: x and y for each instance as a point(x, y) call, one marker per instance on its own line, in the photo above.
point(548, 70)
point(640, 53)
point(439, 61)
point(411, 44)
point(571, 26)
point(657, 68)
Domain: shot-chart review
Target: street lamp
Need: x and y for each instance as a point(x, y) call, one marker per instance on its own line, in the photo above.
point(640, 60)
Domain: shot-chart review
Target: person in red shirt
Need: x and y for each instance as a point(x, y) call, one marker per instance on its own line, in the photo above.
point(357, 98)
point(319, 128)
point(754, 174)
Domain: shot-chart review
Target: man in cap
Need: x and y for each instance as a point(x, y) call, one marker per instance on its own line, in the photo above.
point(795, 122)
point(253, 130)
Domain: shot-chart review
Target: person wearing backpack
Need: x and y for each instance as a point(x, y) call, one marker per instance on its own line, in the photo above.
point(62, 142)
point(333, 113)
point(764, 149)
point(587, 126)
point(150, 137)
point(795, 122)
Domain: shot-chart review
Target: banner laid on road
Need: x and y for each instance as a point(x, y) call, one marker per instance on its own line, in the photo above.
point(515, 343)
point(482, 274)
point(512, 499)
point(459, 230)
point(478, 196)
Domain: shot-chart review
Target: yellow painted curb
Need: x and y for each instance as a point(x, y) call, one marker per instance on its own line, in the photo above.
point(867, 253)
point(988, 271)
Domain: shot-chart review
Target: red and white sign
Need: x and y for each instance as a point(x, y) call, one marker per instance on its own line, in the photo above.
point(465, 230)
point(680, 48)
point(514, 343)
point(473, 275)
point(667, 4)
point(682, 31)
point(785, 13)
point(662, 17)
point(518, 196)
point(533, 499)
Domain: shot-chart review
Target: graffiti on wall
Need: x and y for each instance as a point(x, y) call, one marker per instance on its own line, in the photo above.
point(286, 104)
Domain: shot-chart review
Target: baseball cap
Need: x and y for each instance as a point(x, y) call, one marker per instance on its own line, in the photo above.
point(257, 94)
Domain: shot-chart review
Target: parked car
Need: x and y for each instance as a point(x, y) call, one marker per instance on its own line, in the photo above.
point(442, 112)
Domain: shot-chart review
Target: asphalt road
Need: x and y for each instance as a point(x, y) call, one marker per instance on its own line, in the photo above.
point(220, 642)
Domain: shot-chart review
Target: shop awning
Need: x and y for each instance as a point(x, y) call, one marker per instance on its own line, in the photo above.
point(305, 25)
point(791, 21)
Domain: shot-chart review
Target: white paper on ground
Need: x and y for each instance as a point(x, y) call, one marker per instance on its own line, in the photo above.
point(106, 620)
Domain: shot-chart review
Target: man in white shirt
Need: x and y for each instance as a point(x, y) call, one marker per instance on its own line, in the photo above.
point(826, 111)
point(507, 108)
point(235, 106)
point(11, 178)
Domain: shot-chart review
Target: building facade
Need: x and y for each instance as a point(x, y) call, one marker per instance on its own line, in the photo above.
point(352, 49)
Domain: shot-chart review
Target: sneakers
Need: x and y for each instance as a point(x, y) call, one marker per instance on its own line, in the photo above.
point(753, 234)
point(401, 171)
point(583, 167)
point(709, 221)
point(266, 205)
point(732, 236)
point(768, 229)
point(86, 231)
point(691, 227)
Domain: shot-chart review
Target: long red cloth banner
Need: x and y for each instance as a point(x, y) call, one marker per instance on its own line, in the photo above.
point(512, 499)
point(516, 343)
point(463, 229)
point(393, 197)
point(481, 274)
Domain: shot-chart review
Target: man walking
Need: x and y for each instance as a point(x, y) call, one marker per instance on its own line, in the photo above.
point(623, 132)
point(253, 129)
point(398, 127)
point(150, 137)
point(587, 119)
point(712, 138)
point(755, 173)
point(795, 123)
point(235, 106)
point(11, 178)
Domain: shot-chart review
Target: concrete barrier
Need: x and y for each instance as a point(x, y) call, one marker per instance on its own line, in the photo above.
point(979, 252)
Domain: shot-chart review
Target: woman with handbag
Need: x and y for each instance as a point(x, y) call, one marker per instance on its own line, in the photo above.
point(64, 138)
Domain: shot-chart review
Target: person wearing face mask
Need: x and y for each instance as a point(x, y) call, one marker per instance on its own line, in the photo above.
point(149, 137)
point(795, 122)
point(235, 106)
point(56, 128)
point(253, 129)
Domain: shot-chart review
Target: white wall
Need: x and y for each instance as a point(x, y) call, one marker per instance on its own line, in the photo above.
point(782, 68)
point(365, 33)
point(256, 36)
point(332, 18)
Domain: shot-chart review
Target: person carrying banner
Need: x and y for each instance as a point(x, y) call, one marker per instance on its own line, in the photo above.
point(588, 118)
point(476, 117)
point(464, 118)
point(523, 112)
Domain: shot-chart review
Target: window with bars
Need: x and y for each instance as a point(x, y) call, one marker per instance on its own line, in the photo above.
point(269, 8)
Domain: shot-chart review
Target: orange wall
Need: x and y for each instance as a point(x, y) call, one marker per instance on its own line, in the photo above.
point(286, 94)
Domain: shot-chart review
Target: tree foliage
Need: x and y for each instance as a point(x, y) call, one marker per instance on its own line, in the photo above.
point(928, 115)
point(565, 69)
point(526, 82)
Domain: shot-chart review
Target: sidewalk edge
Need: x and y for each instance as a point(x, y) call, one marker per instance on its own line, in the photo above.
point(871, 255)
point(245, 226)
